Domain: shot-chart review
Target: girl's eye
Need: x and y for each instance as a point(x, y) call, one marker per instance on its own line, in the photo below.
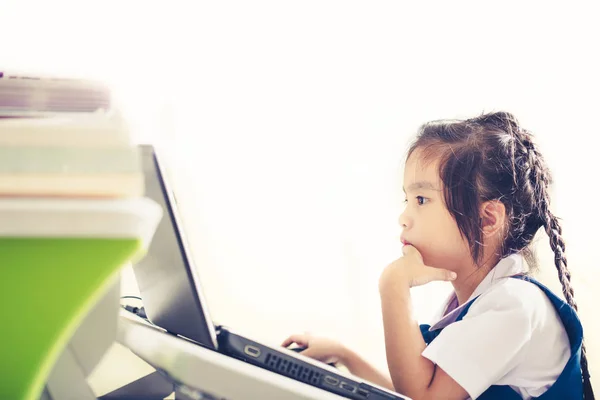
point(420, 200)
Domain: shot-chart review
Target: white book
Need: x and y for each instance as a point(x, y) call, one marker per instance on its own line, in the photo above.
point(71, 172)
point(72, 185)
point(76, 131)
point(117, 218)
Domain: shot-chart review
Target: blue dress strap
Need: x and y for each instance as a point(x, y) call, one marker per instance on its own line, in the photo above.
point(428, 335)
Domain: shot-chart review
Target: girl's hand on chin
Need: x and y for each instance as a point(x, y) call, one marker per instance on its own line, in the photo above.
point(409, 270)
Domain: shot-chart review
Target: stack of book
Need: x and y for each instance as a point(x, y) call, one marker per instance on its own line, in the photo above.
point(72, 212)
point(61, 137)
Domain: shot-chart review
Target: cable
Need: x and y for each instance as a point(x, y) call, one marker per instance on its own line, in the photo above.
point(139, 311)
point(131, 297)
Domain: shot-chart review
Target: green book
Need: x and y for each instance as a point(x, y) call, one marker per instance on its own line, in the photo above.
point(56, 259)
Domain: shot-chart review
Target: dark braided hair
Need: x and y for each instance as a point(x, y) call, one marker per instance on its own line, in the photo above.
point(490, 157)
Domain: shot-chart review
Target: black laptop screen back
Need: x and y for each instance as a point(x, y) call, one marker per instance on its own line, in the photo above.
point(164, 276)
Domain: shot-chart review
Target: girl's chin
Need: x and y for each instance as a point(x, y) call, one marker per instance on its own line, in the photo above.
point(443, 262)
point(431, 260)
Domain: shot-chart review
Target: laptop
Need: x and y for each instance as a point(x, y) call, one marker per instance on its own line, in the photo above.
point(173, 300)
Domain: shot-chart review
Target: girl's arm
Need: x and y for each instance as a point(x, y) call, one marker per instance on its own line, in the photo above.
point(411, 373)
point(361, 368)
point(331, 351)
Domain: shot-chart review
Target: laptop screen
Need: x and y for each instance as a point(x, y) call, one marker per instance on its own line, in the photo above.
point(166, 276)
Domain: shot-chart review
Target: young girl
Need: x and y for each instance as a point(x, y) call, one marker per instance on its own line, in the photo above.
point(477, 193)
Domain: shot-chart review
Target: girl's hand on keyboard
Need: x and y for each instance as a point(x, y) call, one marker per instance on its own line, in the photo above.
point(320, 348)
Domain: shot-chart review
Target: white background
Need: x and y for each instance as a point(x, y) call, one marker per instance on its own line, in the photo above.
point(285, 125)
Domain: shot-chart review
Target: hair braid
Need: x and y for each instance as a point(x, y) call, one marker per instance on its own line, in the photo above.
point(554, 232)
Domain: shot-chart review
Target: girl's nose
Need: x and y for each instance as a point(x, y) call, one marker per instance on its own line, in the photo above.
point(404, 220)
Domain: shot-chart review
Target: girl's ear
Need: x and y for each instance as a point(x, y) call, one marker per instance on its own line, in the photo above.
point(492, 216)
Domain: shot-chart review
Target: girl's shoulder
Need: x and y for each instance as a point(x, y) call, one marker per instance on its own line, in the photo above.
point(516, 298)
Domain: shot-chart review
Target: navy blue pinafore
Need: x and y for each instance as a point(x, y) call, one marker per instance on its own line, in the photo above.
point(569, 384)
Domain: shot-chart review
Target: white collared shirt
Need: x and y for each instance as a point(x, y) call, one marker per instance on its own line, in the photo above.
point(511, 335)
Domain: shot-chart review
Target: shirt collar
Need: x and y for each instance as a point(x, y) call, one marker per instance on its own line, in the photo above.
point(508, 266)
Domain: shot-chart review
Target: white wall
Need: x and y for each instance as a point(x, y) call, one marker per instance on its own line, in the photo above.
point(285, 125)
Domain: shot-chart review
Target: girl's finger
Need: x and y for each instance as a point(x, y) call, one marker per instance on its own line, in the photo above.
point(409, 250)
point(300, 340)
point(439, 274)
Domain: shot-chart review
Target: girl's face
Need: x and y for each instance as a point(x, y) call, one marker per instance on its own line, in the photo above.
point(426, 222)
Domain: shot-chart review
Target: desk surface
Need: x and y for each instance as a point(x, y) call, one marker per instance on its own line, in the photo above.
point(207, 370)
